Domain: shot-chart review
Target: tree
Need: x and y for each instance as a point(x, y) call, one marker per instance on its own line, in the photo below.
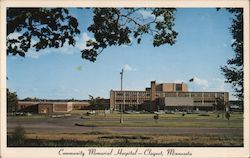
point(18, 137)
point(52, 27)
point(227, 115)
point(234, 70)
point(12, 101)
point(93, 102)
point(156, 117)
point(220, 106)
point(42, 28)
point(39, 28)
point(118, 26)
point(31, 99)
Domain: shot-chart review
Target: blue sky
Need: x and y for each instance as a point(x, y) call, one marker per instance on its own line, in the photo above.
point(203, 45)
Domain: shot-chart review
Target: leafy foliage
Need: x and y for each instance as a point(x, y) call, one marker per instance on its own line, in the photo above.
point(234, 70)
point(93, 102)
point(118, 26)
point(227, 115)
point(18, 136)
point(12, 101)
point(53, 27)
point(220, 104)
point(31, 99)
point(39, 28)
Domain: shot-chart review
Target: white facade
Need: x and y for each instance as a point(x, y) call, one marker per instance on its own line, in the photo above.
point(179, 101)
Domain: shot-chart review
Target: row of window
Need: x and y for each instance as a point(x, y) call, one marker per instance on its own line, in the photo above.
point(170, 94)
point(135, 94)
point(131, 98)
point(135, 101)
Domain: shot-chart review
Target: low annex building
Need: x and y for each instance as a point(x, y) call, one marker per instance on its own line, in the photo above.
point(165, 96)
point(48, 107)
point(55, 107)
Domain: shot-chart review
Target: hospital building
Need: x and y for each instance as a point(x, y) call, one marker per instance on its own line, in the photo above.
point(165, 96)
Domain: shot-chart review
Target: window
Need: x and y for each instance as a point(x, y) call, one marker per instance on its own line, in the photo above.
point(178, 87)
point(183, 94)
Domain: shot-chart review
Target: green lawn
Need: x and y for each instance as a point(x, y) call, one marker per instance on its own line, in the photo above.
point(143, 120)
point(165, 120)
point(212, 116)
point(212, 124)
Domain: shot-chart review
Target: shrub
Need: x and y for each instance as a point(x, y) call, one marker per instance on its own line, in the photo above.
point(18, 136)
point(227, 115)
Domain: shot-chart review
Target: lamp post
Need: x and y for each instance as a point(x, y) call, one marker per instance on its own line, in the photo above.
point(121, 116)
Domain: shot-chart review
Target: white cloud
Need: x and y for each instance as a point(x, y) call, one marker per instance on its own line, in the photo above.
point(127, 67)
point(32, 53)
point(214, 84)
point(14, 35)
point(218, 84)
point(178, 81)
point(81, 44)
point(146, 14)
point(160, 18)
point(201, 82)
point(66, 49)
point(85, 36)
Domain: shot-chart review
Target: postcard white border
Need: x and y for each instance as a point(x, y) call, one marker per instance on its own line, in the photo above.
point(53, 152)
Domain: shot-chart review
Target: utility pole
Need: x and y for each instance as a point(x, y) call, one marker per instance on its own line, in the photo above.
point(121, 116)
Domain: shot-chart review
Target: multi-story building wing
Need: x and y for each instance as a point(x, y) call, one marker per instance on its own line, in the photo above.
point(130, 99)
point(165, 96)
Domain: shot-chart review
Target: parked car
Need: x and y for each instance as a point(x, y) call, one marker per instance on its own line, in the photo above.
point(160, 112)
point(19, 114)
point(91, 113)
point(131, 112)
